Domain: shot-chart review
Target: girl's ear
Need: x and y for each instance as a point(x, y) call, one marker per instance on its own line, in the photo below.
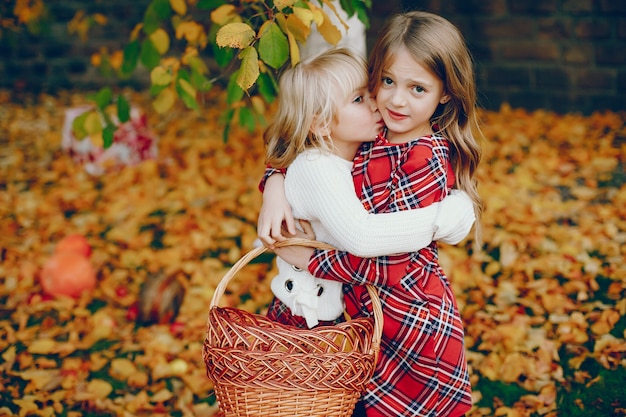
point(319, 128)
point(444, 99)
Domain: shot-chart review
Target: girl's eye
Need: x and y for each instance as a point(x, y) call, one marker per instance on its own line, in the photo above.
point(358, 99)
point(418, 89)
point(387, 81)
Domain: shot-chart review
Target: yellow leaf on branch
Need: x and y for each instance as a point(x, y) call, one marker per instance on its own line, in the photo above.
point(235, 35)
point(93, 124)
point(161, 40)
point(294, 26)
point(192, 32)
point(164, 101)
point(161, 76)
point(294, 49)
point(189, 89)
point(225, 14)
point(249, 70)
point(329, 31)
point(179, 6)
point(281, 4)
point(304, 15)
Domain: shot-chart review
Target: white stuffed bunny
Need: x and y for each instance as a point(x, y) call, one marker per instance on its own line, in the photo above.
point(313, 298)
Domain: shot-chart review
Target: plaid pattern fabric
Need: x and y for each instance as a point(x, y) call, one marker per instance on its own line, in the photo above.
point(422, 369)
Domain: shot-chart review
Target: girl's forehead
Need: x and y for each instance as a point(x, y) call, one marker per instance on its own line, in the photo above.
point(401, 56)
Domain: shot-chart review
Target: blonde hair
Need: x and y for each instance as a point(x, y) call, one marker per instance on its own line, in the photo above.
point(439, 46)
point(309, 93)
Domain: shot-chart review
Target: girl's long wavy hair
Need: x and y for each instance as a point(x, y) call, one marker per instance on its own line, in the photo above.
point(309, 93)
point(439, 46)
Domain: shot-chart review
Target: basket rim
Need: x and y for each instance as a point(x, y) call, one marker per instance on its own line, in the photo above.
point(244, 260)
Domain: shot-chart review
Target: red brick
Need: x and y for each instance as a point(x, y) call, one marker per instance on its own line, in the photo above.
point(613, 6)
point(593, 29)
point(579, 54)
point(533, 7)
point(598, 79)
point(554, 28)
point(554, 79)
point(578, 6)
point(610, 54)
point(530, 51)
point(511, 28)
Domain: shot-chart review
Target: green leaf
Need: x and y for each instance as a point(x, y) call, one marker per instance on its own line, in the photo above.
point(131, 56)
point(199, 81)
point(149, 55)
point(186, 91)
point(362, 14)
point(102, 97)
point(348, 6)
point(209, 4)
point(197, 64)
point(107, 135)
point(234, 93)
point(274, 46)
point(78, 126)
point(267, 87)
point(246, 119)
point(156, 89)
point(156, 13)
point(151, 21)
point(123, 109)
point(162, 8)
point(222, 56)
point(227, 119)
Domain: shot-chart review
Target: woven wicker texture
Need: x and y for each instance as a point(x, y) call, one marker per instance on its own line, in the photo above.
point(263, 368)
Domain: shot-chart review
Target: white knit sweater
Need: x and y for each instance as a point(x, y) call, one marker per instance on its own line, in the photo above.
point(320, 189)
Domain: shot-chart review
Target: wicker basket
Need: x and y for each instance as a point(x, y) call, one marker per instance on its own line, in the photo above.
point(262, 368)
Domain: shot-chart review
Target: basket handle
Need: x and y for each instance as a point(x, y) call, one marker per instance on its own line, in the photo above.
point(244, 260)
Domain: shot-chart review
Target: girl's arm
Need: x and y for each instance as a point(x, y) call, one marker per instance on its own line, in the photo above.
point(381, 270)
point(275, 210)
point(321, 190)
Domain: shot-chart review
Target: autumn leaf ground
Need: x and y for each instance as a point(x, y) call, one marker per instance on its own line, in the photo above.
point(544, 302)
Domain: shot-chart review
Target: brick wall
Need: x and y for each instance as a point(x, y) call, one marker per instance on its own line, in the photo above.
point(562, 55)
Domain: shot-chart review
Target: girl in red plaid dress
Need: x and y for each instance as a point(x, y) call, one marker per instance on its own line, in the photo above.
point(421, 74)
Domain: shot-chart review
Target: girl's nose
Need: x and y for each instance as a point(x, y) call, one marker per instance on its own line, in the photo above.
point(397, 97)
point(372, 103)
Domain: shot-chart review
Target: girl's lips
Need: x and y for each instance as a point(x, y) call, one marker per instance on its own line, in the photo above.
point(396, 116)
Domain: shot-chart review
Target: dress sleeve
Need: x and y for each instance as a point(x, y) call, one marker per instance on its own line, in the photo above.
point(342, 266)
point(269, 171)
point(326, 193)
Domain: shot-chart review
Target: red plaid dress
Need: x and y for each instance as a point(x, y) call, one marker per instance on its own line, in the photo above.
point(422, 369)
